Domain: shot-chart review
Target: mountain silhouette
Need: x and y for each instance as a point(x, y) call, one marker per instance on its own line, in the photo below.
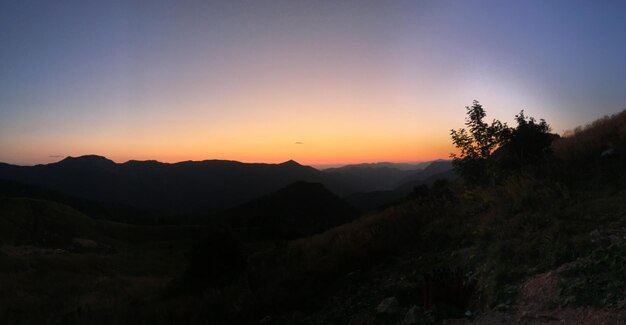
point(190, 187)
point(437, 170)
point(436, 167)
point(297, 210)
point(400, 166)
point(156, 190)
point(375, 176)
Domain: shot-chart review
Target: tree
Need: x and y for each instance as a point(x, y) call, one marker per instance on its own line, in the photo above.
point(477, 143)
point(490, 150)
point(531, 140)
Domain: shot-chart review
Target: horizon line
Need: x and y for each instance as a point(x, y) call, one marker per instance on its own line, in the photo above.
point(320, 166)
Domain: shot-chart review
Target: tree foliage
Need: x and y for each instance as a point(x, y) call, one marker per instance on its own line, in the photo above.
point(530, 140)
point(477, 143)
point(487, 150)
point(481, 138)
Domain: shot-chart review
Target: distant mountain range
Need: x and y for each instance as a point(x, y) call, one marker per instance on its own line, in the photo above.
point(190, 187)
point(204, 187)
point(405, 183)
point(400, 166)
point(386, 176)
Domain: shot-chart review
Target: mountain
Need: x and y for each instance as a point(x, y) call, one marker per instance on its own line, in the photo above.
point(436, 170)
point(153, 190)
point(439, 169)
point(380, 176)
point(298, 210)
point(400, 166)
point(190, 187)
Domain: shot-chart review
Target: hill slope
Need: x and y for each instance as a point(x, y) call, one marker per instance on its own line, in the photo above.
point(298, 210)
point(180, 188)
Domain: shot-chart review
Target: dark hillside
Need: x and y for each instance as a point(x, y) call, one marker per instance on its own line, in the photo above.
point(181, 188)
point(372, 177)
point(593, 157)
point(368, 201)
point(58, 265)
point(385, 176)
point(603, 137)
point(94, 209)
point(436, 168)
point(298, 210)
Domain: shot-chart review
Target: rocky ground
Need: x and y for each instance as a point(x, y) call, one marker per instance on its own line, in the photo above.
point(390, 294)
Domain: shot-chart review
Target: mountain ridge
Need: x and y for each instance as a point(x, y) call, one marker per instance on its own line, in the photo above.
point(187, 187)
point(193, 188)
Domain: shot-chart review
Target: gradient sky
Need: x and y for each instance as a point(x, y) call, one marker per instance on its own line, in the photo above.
point(321, 82)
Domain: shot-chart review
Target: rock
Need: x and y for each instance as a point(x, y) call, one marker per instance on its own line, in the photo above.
point(411, 316)
point(387, 306)
point(266, 320)
point(607, 152)
point(84, 243)
point(501, 307)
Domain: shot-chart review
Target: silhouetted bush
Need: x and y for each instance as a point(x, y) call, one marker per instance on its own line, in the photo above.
point(490, 152)
point(530, 143)
point(476, 144)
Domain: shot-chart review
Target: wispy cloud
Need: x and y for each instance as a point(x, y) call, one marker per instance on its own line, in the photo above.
point(299, 142)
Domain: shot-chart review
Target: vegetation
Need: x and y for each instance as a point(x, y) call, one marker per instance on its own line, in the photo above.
point(545, 205)
point(477, 143)
point(492, 151)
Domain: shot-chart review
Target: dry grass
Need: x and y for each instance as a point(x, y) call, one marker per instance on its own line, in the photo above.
point(382, 233)
point(45, 282)
point(592, 139)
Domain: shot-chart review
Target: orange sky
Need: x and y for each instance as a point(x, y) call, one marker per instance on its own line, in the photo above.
point(352, 81)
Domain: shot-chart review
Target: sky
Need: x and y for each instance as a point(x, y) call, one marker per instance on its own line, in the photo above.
point(321, 82)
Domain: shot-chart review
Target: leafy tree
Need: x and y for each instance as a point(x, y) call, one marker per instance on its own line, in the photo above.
point(530, 140)
point(477, 143)
point(487, 150)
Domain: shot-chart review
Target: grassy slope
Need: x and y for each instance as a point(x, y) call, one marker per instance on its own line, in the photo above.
point(44, 287)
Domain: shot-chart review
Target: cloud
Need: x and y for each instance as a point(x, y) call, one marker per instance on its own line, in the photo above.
point(56, 156)
point(299, 142)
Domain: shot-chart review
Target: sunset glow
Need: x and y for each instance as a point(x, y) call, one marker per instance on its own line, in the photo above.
point(268, 81)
